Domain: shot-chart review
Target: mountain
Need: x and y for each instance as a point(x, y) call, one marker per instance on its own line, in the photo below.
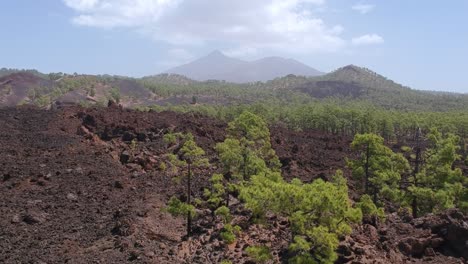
point(358, 83)
point(217, 66)
point(209, 67)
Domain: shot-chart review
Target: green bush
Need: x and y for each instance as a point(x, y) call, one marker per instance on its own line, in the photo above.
point(162, 166)
point(170, 139)
point(178, 208)
point(229, 232)
point(369, 209)
point(224, 213)
point(259, 254)
point(406, 149)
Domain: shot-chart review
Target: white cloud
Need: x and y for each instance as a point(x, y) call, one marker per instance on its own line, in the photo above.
point(119, 13)
point(363, 8)
point(369, 39)
point(81, 5)
point(277, 25)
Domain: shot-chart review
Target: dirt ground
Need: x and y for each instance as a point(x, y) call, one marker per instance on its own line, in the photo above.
point(73, 189)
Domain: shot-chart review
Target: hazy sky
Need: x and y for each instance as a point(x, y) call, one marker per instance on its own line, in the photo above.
point(419, 43)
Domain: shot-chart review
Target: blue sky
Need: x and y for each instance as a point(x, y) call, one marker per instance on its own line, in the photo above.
point(421, 44)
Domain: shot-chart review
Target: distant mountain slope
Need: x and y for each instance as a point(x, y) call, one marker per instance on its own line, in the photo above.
point(212, 66)
point(217, 66)
point(359, 83)
point(8, 71)
point(18, 87)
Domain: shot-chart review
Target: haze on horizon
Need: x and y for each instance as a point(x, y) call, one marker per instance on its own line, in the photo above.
point(421, 44)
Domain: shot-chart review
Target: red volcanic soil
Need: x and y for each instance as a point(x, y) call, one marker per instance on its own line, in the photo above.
point(14, 87)
point(73, 190)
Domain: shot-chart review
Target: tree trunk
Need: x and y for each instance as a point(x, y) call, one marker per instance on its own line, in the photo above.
point(227, 179)
point(227, 197)
point(189, 202)
point(414, 204)
point(374, 196)
point(245, 166)
point(367, 168)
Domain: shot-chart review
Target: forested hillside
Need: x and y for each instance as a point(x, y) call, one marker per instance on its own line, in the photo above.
point(347, 101)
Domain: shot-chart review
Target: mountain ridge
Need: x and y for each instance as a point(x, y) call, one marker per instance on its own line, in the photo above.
point(217, 66)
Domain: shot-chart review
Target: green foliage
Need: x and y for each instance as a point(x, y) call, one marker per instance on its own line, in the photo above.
point(115, 94)
point(240, 159)
point(259, 254)
point(229, 232)
point(192, 153)
point(174, 161)
point(339, 115)
point(170, 138)
point(216, 194)
point(439, 185)
point(323, 244)
point(319, 212)
point(92, 92)
point(225, 261)
point(177, 208)
point(253, 133)
point(162, 166)
point(369, 209)
point(43, 101)
point(230, 156)
point(224, 213)
point(406, 149)
point(244, 151)
point(378, 168)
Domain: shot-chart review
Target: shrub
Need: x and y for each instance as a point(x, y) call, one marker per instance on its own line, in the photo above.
point(178, 208)
point(225, 213)
point(259, 254)
point(228, 234)
point(369, 209)
point(162, 166)
point(170, 139)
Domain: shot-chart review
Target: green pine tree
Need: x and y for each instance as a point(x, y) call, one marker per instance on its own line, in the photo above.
point(439, 185)
point(378, 168)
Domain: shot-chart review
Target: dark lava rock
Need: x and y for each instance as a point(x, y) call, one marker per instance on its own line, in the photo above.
point(125, 157)
point(33, 217)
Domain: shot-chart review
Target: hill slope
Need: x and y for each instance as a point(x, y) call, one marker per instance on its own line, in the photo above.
point(18, 88)
point(357, 83)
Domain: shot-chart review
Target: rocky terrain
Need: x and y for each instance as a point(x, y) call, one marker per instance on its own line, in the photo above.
point(75, 189)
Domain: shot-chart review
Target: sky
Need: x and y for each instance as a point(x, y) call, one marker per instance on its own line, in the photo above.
point(422, 44)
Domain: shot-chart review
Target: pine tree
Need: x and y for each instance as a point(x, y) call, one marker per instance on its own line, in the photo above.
point(319, 213)
point(439, 185)
point(246, 151)
point(190, 155)
point(253, 133)
point(216, 194)
point(378, 167)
